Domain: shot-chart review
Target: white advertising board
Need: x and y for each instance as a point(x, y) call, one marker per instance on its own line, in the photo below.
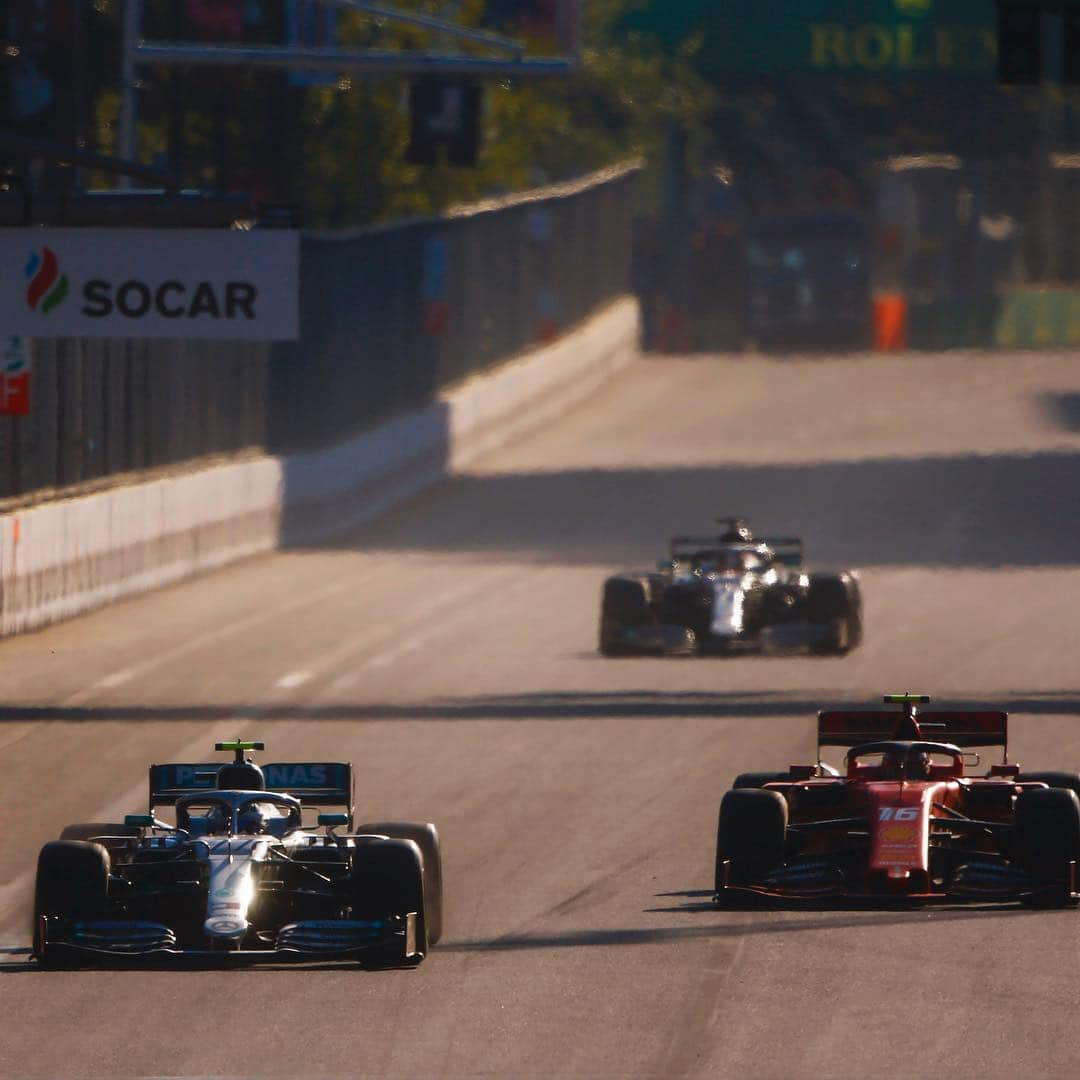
point(150, 283)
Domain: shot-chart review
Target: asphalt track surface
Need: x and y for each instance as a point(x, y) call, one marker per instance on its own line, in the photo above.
point(448, 650)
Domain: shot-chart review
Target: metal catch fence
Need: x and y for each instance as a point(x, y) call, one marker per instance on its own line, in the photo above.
point(389, 316)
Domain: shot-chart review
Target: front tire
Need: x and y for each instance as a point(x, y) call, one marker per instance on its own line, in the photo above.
point(72, 883)
point(426, 838)
point(624, 604)
point(387, 878)
point(1047, 839)
point(751, 835)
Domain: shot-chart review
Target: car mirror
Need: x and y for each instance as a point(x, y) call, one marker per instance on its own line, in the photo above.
point(140, 821)
point(331, 820)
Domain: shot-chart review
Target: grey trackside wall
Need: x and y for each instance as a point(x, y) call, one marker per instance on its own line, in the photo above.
point(389, 317)
point(421, 345)
point(60, 558)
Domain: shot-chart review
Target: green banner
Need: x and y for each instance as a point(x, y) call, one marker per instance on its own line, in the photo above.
point(1034, 316)
point(892, 38)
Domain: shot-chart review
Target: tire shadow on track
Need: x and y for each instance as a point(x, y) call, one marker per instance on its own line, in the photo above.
point(740, 928)
point(553, 705)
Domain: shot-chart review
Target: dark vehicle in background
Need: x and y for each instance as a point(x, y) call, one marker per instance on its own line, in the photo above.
point(908, 819)
point(729, 593)
point(808, 280)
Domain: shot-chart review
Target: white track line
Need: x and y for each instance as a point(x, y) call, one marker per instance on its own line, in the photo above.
point(350, 646)
point(294, 678)
point(418, 639)
point(202, 640)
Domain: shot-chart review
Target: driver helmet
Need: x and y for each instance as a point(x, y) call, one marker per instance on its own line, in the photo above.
point(906, 765)
point(892, 764)
point(211, 823)
point(251, 820)
point(241, 776)
point(738, 532)
point(729, 561)
point(917, 766)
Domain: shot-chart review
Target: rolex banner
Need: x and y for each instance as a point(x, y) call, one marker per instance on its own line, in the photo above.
point(150, 283)
point(909, 39)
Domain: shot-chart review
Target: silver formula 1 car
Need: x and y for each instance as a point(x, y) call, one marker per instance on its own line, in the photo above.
point(729, 593)
point(241, 873)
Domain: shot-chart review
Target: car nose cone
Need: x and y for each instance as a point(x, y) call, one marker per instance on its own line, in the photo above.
point(225, 926)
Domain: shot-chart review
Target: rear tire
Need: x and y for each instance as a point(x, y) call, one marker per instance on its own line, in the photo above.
point(1046, 839)
point(387, 878)
point(426, 838)
point(73, 883)
point(1068, 781)
point(88, 830)
point(751, 834)
point(758, 779)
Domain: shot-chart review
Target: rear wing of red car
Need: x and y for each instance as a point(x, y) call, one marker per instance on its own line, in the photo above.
point(315, 783)
point(961, 727)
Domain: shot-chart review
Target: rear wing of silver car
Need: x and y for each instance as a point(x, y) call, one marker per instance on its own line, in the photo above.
point(680, 544)
point(315, 783)
point(787, 549)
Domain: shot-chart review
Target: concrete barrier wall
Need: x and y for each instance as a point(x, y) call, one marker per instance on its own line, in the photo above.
point(60, 559)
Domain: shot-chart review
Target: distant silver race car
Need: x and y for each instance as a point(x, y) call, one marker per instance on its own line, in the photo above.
point(240, 874)
point(729, 593)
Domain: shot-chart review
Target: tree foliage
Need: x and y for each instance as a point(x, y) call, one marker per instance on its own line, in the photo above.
point(338, 150)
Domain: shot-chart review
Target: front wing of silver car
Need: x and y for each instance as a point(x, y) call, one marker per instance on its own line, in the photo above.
point(62, 940)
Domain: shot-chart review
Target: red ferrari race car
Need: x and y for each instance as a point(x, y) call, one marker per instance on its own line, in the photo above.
point(906, 821)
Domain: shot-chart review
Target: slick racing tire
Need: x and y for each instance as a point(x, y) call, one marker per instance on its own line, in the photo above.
point(758, 779)
point(387, 878)
point(751, 834)
point(1068, 781)
point(72, 882)
point(1046, 839)
point(426, 838)
point(90, 830)
point(834, 606)
point(625, 603)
